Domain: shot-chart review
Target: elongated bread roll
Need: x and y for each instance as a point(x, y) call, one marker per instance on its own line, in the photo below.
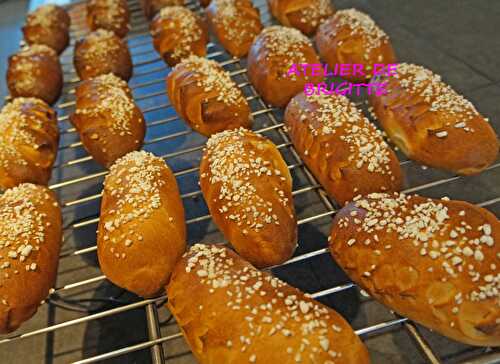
point(432, 124)
point(30, 240)
point(142, 229)
point(229, 312)
point(109, 122)
point(177, 33)
point(248, 190)
point(343, 150)
point(29, 137)
point(204, 95)
point(271, 56)
point(35, 71)
point(236, 23)
point(48, 25)
point(102, 52)
point(112, 15)
point(434, 261)
point(352, 37)
point(305, 15)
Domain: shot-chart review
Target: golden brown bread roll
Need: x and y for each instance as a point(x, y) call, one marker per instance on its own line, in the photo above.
point(177, 33)
point(49, 25)
point(434, 261)
point(343, 150)
point(112, 15)
point(305, 15)
point(142, 231)
point(35, 71)
point(29, 138)
point(271, 56)
point(152, 7)
point(235, 23)
point(102, 52)
point(248, 190)
point(229, 312)
point(432, 124)
point(30, 240)
point(204, 95)
point(352, 37)
point(110, 124)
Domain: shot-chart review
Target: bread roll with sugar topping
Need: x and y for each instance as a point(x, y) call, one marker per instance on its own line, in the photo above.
point(432, 124)
point(142, 230)
point(204, 95)
point(30, 240)
point(178, 33)
point(352, 37)
point(236, 23)
point(35, 71)
point(109, 122)
point(152, 7)
point(112, 15)
point(230, 312)
point(248, 190)
point(102, 52)
point(343, 150)
point(48, 25)
point(306, 16)
point(28, 142)
point(433, 261)
point(272, 54)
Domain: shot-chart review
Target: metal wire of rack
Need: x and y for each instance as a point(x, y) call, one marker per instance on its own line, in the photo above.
point(78, 183)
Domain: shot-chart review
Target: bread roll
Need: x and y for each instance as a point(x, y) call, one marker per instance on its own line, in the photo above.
point(48, 25)
point(35, 71)
point(152, 7)
point(142, 231)
point(28, 142)
point(235, 23)
point(30, 240)
point(229, 312)
point(352, 37)
point(110, 124)
point(343, 150)
point(432, 124)
point(248, 190)
point(112, 15)
point(102, 52)
point(305, 15)
point(271, 56)
point(177, 33)
point(204, 95)
point(434, 261)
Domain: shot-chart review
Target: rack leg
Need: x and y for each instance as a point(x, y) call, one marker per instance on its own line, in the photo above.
point(157, 356)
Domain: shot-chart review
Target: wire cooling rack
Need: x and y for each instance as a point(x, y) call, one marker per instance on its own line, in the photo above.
point(83, 298)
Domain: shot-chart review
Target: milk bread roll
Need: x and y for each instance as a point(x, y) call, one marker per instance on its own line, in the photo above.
point(433, 261)
point(432, 124)
point(29, 139)
point(344, 151)
point(142, 229)
point(30, 240)
point(230, 312)
point(248, 190)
